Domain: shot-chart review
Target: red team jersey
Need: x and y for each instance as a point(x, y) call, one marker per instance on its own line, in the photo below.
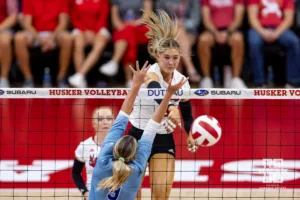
point(271, 11)
point(222, 11)
point(90, 14)
point(45, 13)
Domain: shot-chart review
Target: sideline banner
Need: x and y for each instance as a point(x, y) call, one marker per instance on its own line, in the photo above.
point(120, 93)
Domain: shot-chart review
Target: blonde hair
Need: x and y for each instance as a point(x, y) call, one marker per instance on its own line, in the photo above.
point(97, 110)
point(124, 151)
point(162, 33)
point(96, 113)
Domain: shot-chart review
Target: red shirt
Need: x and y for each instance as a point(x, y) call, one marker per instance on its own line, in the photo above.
point(7, 7)
point(222, 11)
point(90, 14)
point(45, 13)
point(271, 11)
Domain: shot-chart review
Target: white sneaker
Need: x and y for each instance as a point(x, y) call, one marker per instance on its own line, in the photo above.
point(288, 86)
point(77, 80)
point(4, 83)
point(128, 84)
point(227, 76)
point(206, 83)
point(238, 83)
point(109, 69)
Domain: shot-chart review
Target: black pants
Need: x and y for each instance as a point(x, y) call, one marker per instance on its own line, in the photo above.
point(163, 143)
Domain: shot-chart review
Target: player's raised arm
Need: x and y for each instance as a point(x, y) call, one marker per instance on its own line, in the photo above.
point(138, 80)
point(120, 124)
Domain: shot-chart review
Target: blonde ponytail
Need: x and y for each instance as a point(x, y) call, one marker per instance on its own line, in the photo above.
point(162, 33)
point(121, 171)
point(124, 151)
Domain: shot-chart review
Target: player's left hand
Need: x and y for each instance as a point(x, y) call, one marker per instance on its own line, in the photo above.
point(89, 36)
point(221, 37)
point(173, 119)
point(49, 44)
point(192, 144)
point(139, 74)
point(86, 196)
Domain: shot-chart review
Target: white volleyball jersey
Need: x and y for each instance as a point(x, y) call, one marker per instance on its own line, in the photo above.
point(144, 108)
point(87, 152)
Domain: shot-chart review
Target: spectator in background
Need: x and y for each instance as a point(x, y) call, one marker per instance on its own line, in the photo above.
point(45, 23)
point(188, 16)
point(8, 19)
point(222, 21)
point(271, 21)
point(128, 34)
point(90, 21)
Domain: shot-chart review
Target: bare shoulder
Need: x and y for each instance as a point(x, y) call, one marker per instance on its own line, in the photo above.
point(151, 76)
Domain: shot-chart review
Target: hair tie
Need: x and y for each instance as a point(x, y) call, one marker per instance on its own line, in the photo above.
point(122, 159)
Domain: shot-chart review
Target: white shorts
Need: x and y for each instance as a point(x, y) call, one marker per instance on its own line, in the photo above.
point(10, 31)
point(42, 34)
point(103, 31)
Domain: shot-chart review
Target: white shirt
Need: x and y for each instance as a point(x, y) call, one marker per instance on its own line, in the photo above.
point(87, 152)
point(144, 108)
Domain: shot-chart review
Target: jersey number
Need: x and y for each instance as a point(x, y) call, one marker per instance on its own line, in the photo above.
point(114, 195)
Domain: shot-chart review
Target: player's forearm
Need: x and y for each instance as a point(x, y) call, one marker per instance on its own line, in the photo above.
point(9, 22)
point(207, 21)
point(253, 19)
point(255, 24)
point(160, 112)
point(62, 25)
point(115, 18)
point(238, 19)
point(210, 27)
point(76, 175)
point(186, 112)
point(286, 23)
point(129, 100)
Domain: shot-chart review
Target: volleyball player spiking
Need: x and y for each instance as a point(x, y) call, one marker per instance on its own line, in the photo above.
point(166, 51)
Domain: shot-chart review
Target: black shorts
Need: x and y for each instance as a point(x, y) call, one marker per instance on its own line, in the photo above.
point(163, 143)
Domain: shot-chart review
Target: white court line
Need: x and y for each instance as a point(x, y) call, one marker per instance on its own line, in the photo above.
point(176, 194)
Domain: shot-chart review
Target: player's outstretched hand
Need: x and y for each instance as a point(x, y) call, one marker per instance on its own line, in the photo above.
point(139, 74)
point(173, 88)
point(192, 144)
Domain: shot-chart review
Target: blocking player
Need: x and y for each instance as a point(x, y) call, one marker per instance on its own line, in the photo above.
point(122, 159)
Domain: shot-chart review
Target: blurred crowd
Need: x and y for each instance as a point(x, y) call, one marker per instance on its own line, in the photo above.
point(245, 28)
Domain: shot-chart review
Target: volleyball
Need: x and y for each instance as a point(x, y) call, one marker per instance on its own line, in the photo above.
point(206, 130)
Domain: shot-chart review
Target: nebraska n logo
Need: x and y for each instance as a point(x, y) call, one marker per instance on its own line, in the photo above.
point(271, 7)
point(93, 160)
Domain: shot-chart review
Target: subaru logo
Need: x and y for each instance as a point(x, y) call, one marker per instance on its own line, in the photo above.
point(1, 92)
point(201, 92)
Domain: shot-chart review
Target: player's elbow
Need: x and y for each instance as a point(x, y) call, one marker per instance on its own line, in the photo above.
point(75, 171)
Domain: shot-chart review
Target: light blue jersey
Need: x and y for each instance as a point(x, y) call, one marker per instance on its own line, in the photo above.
point(103, 168)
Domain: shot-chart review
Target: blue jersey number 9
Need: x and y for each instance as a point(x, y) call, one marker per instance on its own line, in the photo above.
point(114, 195)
